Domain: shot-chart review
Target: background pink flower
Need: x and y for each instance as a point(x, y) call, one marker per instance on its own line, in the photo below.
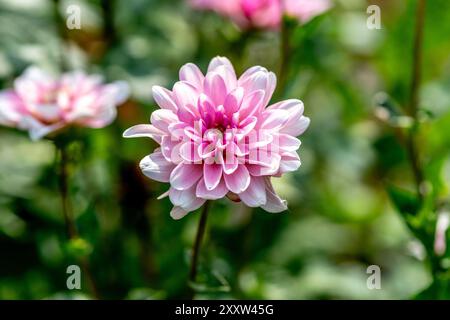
point(218, 137)
point(41, 104)
point(264, 14)
point(305, 10)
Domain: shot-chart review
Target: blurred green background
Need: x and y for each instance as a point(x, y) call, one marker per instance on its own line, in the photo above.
point(340, 218)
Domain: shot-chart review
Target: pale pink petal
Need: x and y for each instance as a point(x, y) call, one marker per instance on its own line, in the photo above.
point(217, 193)
point(192, 74)
point(163, 98)
point(289, 162)
point(178, 213)
point(161, 119)
point(185, 176)
point(219, 61)
point(274, 203)
point(274, 119)
point(287, 142)
point(239, 180)
point(156, 167)
point(215, 88)
point(255, 194)
point(297, 123)
point(212, 174)
point(233, 101)
point(144, 130)
point(10, 108)
point(189, 152)
point(186, 199)
point(252, 104)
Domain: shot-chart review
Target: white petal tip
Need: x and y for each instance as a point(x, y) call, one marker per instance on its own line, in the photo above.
point(178, 213)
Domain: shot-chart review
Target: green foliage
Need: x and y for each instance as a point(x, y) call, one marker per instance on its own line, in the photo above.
point(342, 215)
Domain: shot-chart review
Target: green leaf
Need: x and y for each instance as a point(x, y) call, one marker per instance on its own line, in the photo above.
point(405, 201)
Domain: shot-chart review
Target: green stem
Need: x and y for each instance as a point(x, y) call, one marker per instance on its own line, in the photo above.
point(62, 33)
point(69, 221)
point(285, 56)
point(198, 240)
point(416, 76)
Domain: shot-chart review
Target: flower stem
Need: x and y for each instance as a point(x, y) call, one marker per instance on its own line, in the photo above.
point(198, 240)
point(416, 75)
point(62, 33)
point(285, 55)
point(64, 191)
point(69, 221)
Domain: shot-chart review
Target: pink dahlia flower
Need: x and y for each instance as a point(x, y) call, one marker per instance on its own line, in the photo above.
point(264, 14)
point(218, 137)
point(41, 104)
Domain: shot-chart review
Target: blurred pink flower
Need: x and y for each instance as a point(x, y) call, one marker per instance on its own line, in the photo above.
point(305, 10)
point(440, 241)
point(264, 14)
point(41, 104)
point(218, 137)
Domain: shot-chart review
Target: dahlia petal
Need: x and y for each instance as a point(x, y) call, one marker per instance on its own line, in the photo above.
point(33, 83)
point(51, 112)
point(259, 139)
point(163, 195)
point(270, 89)
point(255, 194)
point(178, 213)
point(297, 128)
point(251, 104)
point(192, 74)
point(246, 126)
point(296, 123)
point(119, 91)
point(274, 203)
point(274, 119)
point(181, 198)
point(233, 101)
point(215, 88)
point(156, 167)
point(186, 199)
point(265, 163)
point(206, 150)
point(144, 130)
point(164, 99)
point(9, 108)
point(294, 106)
point(257, 81)
point(249, 73)
point(230, 166)
point(189, 152)
point(287, 142)
point(36, 129)
point(186, 97)
point(100, 119)
point(177, 130)
point(170, 149)
point(289, 162)
point(162, 118)
point(185, 176)
point(219, 61)
point(217, 193)
point(194, 134)
point(228, 75)
point(239, 180)
point(212, 174)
